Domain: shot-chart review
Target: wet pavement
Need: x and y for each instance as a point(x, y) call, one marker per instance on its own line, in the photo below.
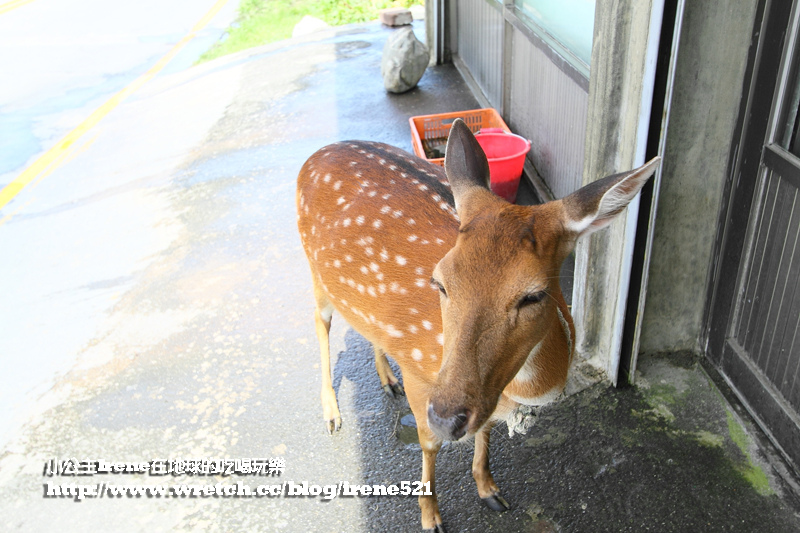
point(159, 279)
point(61, 60)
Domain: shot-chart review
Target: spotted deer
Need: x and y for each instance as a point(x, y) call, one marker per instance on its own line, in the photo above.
point(458, 286)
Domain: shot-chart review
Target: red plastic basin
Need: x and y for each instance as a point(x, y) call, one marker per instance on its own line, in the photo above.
point(506, 154)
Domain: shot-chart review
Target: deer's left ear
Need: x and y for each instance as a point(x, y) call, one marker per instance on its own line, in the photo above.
point(595, 205)
point(465, 164)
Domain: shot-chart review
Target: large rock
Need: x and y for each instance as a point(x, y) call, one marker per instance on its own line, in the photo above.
point(405, 59)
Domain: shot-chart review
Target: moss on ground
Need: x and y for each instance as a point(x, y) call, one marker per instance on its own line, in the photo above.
point(752, 472)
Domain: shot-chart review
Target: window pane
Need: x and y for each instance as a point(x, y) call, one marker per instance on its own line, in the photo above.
point(569, 22)
point(789, 135)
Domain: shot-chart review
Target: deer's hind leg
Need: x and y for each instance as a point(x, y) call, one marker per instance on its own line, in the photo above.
point(322, 321)
point(389, 382)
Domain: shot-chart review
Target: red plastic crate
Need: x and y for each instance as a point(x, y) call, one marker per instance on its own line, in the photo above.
point(429, 132)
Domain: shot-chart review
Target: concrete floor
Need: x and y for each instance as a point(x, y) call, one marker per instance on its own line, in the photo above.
point(205, 348)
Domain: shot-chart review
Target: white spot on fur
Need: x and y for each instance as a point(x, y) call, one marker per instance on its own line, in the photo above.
point(440, 339)
point(360, 220)
point(393, 331)
point(427, 325)
point(416, 354)
point(401, 260)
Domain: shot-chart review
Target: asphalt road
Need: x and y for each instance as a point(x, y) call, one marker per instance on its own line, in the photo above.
point(63, 65)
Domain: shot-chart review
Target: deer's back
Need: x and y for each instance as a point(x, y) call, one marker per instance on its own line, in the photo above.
point(374, 221)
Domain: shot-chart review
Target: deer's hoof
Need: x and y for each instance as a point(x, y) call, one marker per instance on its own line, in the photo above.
point(333, 425)
point(394, 390)
point(495, 502)
point(438, 529)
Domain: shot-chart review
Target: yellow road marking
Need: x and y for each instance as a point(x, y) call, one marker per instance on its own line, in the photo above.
point(8, 6)
point(48, 161)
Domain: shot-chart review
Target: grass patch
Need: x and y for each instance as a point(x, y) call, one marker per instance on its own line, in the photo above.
point(754, 474)
point(265, 21)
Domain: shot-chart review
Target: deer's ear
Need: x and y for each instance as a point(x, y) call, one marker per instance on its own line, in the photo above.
point(465, 163)
point(595, 205)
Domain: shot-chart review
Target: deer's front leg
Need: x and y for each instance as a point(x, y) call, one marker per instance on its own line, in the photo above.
point(487, 488)
point(428, 504)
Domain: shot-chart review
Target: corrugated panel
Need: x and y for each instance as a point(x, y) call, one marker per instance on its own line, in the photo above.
point(480, 45)
point(769, 316)
point(549, 108)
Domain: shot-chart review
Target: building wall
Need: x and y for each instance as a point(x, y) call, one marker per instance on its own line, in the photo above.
point(708, 84)
point(480, 45)
point(547, 106)
point(540, 95)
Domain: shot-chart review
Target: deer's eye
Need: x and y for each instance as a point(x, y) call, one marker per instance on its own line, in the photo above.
point(531, 299)
point(437, 285)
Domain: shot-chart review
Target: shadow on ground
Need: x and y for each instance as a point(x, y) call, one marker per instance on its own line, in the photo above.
point(660, 457)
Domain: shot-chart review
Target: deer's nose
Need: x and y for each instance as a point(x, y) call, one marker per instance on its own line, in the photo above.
point(450, 426)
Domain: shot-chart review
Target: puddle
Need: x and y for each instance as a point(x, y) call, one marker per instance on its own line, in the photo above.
point(407, 429)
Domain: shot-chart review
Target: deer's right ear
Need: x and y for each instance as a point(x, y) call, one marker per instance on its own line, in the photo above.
point(595, 205)
point(465, 163)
